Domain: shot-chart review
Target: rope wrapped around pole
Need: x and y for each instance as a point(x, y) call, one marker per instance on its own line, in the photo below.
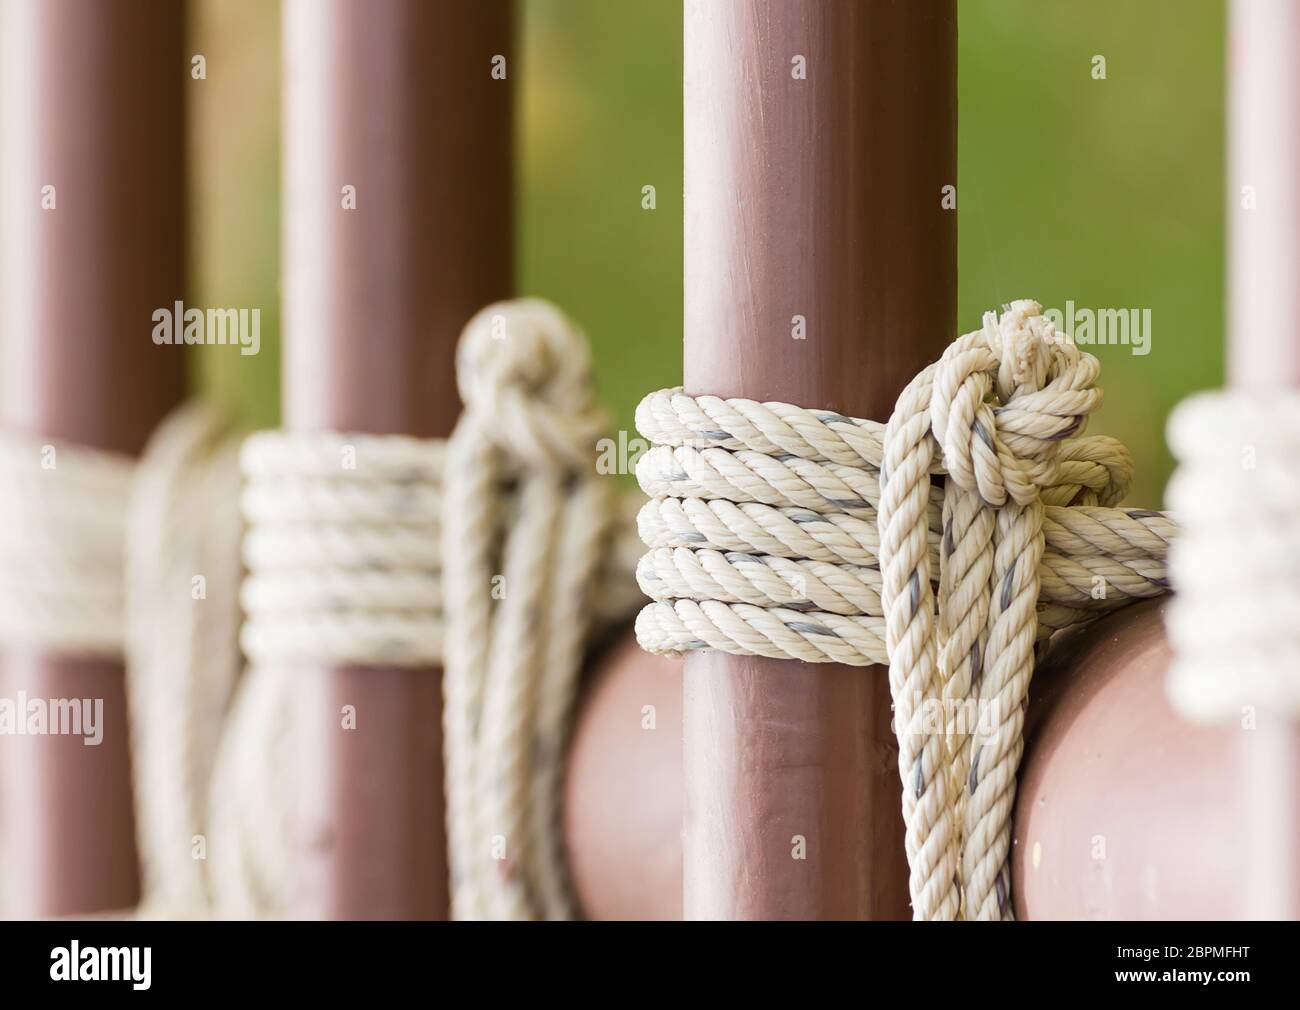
point(355, 547)
point(947, 543)
point(1232, 625)
point(139, 561)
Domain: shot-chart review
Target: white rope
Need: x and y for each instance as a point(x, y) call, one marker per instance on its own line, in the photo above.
point(251, 801)
point(342, 552)
point(342, 549)
point(345, 554)
point(528, 533)
point(62, 511)
point(138, 561)
point(1236, 565)
point(802, 534)
point(214, 778)
point(182, 656)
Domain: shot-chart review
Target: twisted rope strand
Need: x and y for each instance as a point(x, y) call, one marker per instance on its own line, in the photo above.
point(182, 655)
point(583, 535)
point(471, 519)
point(907, 599)
point(510, 703)
point(965, 567)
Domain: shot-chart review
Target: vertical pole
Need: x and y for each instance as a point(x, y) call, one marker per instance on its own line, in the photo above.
point(818, 137)
point(397, 99)
point(93, 107)
point(1264, 355)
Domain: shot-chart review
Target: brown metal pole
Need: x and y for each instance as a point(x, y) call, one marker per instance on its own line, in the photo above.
point(397, 99)
point(816, 196)
point(1264, 356)
point(94, 107)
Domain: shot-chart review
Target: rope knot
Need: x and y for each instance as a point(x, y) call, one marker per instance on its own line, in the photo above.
point(1004, 397)
point(524, 373)
point(763, 542)
point(1021, 339)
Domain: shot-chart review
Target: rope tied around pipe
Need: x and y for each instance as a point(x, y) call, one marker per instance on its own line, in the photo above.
point(1232, 625)
point(114, 558)
point(355, 546)
point(63, 514)
point(947, 543)
point(496, 553)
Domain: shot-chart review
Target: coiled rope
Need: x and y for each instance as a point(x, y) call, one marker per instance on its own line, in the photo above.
point(801, 534)
point(343, 549)
point(110, 558)
point(62, 520)
point(140, 561)
point(498, 553)
point(1232, 625)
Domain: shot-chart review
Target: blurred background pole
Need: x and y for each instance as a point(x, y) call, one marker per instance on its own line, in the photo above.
point(93, 106)
point(819, 135)
point(1264, 355)
point(396, 98)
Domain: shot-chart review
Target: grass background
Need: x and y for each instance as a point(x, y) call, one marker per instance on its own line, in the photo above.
point(1104, 192)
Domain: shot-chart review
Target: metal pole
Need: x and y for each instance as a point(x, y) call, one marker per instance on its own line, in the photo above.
point(819, 135)
point(397, 99)
point(94, 108)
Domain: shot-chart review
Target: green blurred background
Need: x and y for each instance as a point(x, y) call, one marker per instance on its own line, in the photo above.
point(1104, 192)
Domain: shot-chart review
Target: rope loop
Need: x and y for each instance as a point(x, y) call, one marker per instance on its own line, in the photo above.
point(1002, 399)
point(524, 372)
